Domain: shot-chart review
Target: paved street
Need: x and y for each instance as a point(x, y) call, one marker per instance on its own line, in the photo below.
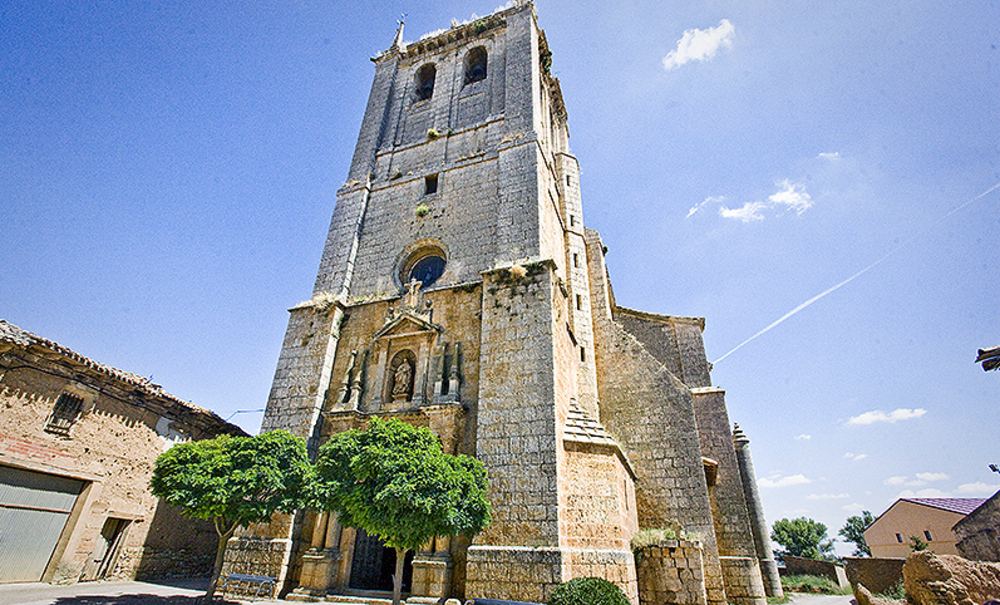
point(179, 592)
point(820, 599)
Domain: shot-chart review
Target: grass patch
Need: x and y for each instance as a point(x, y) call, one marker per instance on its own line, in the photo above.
point(813, 585)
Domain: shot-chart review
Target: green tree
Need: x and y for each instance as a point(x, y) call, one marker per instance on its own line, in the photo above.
point(916, 544)
point(802, 537)
point(393, 480)
point(233, 482)
point(854, 531)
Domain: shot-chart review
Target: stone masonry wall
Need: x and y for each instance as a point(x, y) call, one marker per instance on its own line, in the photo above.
point(729, 508)
point(650, 412)
point(671, 573)
point(876, 574)
point(978, 533)
point(744, 585)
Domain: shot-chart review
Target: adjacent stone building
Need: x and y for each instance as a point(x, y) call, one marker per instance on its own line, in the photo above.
point(78, 440)
point(460, 290)
point(978, 533)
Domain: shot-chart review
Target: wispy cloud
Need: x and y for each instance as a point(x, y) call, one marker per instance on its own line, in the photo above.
point(931, 477)
point(930, 492)
point(803, 437)
point(893, 416)
point(980, 488)
point(708, 200)
point(751, 211)
point(700, 44)
point(855, 457)
point(792, 195)
point(779, 481)
point(827, 496)
point(789, 196)
point(853, 507)
point(895, 481)
point(833, 157)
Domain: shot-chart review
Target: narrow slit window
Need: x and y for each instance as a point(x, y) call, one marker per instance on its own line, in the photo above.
point(572, 221)
point(430, 184)
point(583, 354)
point(927, 535)
point(899, 538)
point(569, 181)
point(576, 259)
point(579, 302)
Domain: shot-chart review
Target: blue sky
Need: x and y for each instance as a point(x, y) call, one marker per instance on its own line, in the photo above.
point(168, 170)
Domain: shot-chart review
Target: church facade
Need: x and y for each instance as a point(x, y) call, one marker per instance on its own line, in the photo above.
point(460, 290)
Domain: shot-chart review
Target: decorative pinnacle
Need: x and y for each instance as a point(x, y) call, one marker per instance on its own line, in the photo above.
point(398, 40)
point(739, 438)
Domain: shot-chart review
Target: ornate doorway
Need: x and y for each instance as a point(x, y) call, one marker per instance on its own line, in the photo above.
point(374, 564)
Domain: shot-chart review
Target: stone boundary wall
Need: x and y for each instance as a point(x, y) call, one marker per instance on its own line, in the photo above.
point(671, 572)
point(876, 574)
point(827, 569)
point(744, 585)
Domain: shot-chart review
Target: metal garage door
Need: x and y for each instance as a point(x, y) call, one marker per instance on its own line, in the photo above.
point(34, 508)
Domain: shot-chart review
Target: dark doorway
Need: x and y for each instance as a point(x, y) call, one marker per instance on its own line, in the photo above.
point(105, 554)
point(374, 564)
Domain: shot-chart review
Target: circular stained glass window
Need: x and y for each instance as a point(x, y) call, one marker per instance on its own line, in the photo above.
point(427, 269)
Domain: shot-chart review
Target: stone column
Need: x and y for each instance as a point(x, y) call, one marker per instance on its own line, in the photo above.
point(758, 524)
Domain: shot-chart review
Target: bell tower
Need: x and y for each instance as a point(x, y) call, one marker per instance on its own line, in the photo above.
point(458, 290)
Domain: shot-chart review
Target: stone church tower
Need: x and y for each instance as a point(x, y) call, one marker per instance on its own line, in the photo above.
point(459, 290)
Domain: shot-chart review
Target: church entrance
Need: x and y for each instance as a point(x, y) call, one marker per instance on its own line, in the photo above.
point(374, 564)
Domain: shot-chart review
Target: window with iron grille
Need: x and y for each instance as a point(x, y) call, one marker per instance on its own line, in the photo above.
point(64, 414)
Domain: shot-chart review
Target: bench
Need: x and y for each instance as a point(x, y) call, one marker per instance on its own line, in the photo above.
point(244, 582)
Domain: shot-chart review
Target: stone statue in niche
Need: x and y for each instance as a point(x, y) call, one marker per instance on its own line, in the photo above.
point(401, 381)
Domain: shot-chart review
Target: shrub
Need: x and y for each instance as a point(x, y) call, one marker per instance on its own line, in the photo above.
point(423, 210)
point(812, 584)
point(588, 591)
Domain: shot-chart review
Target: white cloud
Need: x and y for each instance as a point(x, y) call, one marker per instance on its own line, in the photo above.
point(708, 200)
point(827, 496)
point(880, 416)
point(792, 195)
point(930, 492)
point(932, 476)
point(852, 456)
point(700, 44)
point(778, 481)
point(854, 507)
point(751, 211)
point(803, 437)
point(978, 487)
point(833, 157)
point(895, 481)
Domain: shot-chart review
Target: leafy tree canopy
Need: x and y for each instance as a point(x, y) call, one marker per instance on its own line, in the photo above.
point(802, 537)
point(233, 481)
point(854, 531)
point(393, 480)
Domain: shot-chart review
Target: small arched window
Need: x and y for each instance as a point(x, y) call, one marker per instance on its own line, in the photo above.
point(475, 65)
point(425, 82)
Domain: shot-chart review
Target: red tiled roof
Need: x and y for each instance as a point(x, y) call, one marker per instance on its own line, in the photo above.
point(962, 506)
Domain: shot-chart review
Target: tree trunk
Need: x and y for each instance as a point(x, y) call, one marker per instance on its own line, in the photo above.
point(220, 554)
point(397, 580)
